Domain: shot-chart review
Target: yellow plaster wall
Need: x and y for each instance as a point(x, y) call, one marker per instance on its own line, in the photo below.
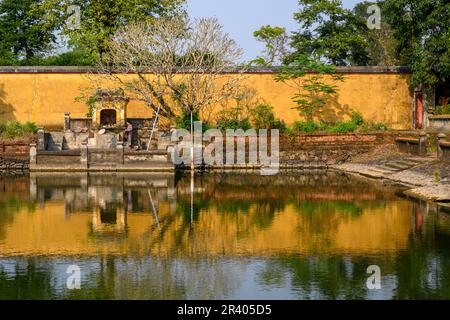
point(44, 97)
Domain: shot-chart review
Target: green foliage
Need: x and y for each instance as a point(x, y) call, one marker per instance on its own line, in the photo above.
point(233, 118)
point(76, 57)
point(263, 117)
point(342, 127)
point(440, 110)
point(100, 19)
point(313, 89)
point(23, 34)
point(306, 126)
point(330, 32)
point(381, 43)
point(357, 118)
point(275, 40)
point(422, 32)
point(15, 129)
point(184, 121)
point(356, 123)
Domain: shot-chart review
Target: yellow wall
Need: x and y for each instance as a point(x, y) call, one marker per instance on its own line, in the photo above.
point(44, 97)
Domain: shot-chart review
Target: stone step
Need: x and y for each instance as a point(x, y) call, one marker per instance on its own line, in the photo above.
point(403, 164)
point(383, 170)
point(395, 165)
point(417, 160)
point(103, 165)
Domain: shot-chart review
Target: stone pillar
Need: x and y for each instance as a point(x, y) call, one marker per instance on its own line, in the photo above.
point(440, 138)
point(33, 155)
point(41, 139)
point(423, 143)
point(84, 154)
point(66, 121)
point(120, 153)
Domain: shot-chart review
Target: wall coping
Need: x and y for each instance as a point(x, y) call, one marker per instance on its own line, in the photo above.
point(439, 117)
point(249, 70)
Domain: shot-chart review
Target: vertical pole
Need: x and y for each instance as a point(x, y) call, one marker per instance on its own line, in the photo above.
point(155, 121)
point(192, 168)
point(192, 142)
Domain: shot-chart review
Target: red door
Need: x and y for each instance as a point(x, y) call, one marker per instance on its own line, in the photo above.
point(419, 110)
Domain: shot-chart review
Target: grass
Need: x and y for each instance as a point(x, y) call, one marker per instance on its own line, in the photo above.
point(355, 124)
point(442, 110)
point(13, 130)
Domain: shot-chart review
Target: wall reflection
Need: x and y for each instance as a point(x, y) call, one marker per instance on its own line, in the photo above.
point(232, 215)
point(138, 236)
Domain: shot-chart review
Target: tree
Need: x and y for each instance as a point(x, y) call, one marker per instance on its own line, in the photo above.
point(275, 40)
point(180, 67)
point(422, 30)
point(381, 43)
point(100, 19)
point(330, 32)
point(314, 81)
point(23, 35)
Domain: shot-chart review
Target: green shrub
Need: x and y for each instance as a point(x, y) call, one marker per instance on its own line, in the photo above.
point(305, 126)
point(233, 119)
point(357, 118)
point(343, 127)
point(440, 110)
point(15, 129)
point(263, 117)
point(184, 121)
point(356, 123)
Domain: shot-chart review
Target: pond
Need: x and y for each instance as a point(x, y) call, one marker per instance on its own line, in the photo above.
point(310, 235)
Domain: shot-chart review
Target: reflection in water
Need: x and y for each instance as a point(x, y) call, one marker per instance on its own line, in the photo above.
point(142, 236)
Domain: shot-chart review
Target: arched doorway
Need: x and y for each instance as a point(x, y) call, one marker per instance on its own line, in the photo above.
point(108, 117)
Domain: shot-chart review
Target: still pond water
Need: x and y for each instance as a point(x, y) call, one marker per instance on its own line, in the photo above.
point(291, 236)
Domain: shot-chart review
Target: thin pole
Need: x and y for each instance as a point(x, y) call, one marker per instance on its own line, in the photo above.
point(192, 142)
point(192, 197)
point(155, 212)
point(153, 128)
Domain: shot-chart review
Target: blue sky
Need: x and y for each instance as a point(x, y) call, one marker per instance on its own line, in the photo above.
point(241, 17)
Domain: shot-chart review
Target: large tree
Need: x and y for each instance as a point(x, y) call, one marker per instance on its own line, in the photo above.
point(330, 33)
point(422, 30)
point(100, 19)
point(178, 66)
point(23, 35)
point(275, 40)
point(381, 43)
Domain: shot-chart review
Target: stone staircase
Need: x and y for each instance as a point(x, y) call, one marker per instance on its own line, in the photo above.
point(395, 166)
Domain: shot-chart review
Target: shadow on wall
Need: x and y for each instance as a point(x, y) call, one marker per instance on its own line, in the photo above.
point(6, 109)
point(333, 111)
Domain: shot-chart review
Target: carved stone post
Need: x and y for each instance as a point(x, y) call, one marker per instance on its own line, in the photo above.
point(41, 139)
point(440, 138)
point(33, 155)
point(423, 143)
point(120, 152)
point(66, 121)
